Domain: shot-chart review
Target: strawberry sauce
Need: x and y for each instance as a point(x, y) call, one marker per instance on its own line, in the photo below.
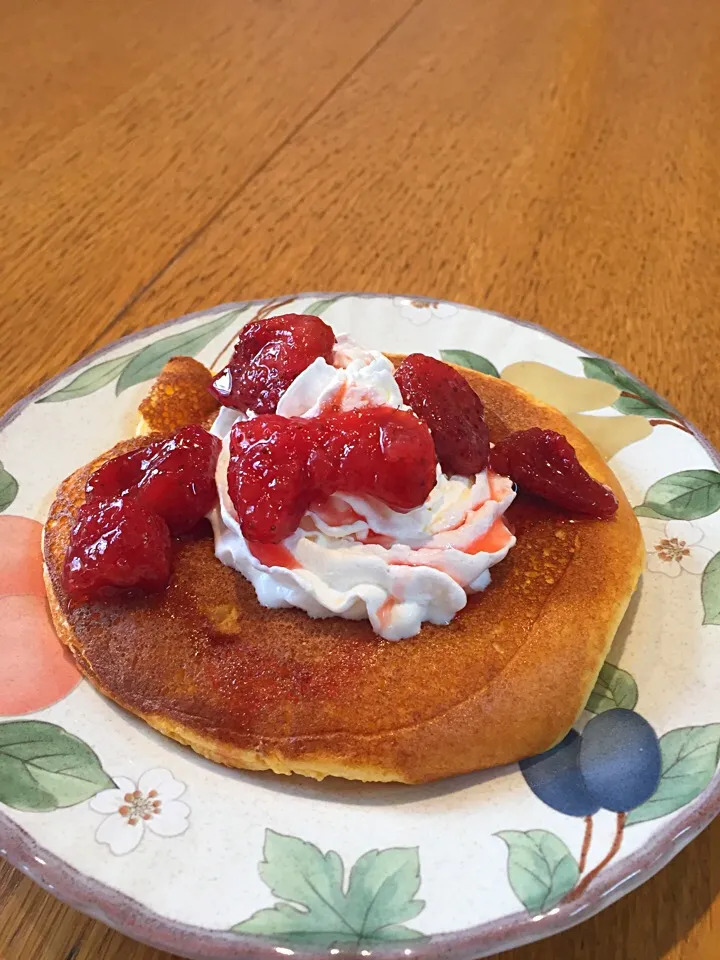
point(494, 539)
point(336, 513)
point(273, 555)
point(385, 612)
point(279, 466)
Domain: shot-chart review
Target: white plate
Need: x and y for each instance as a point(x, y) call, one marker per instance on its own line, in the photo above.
point(461, 868)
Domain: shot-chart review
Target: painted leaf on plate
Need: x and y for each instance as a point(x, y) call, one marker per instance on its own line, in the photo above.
point(614, 688)
point(642, 400)
point(381, 891)
point(379, 898)
point(643, 408)
point(149, 361)
point(466, 358)
point(710, 589)
point(90, 380)
point(690, 757)
point(319, 307)
point(687, 495)
point(8, 488)
point(541, 869)
point(643, 511)
point(42, 767)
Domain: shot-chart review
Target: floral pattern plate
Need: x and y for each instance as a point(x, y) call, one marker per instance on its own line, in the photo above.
point(208, 862)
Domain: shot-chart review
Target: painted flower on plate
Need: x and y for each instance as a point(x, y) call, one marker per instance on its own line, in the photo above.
point(423, 311)
point(673, 547)
point(129, 808)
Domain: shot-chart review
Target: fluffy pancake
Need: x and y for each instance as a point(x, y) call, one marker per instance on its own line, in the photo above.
point(178, 396)
point(205, 664)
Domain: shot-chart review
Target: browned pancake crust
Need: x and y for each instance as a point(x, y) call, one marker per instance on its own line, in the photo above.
point(179, 396)
point(257, 688)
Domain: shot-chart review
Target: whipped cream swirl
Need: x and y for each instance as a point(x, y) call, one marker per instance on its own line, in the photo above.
point(353, 556)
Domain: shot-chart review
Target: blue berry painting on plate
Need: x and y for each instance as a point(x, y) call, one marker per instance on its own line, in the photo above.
point(617, 764)
point(213, 863)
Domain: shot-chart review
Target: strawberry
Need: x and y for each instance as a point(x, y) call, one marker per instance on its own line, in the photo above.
point(174, 478)
point(116, 547)
point(279, 466)
point(545, 464)
point(268, 356)
point(444, 399)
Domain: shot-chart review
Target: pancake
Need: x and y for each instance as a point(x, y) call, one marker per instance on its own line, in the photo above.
point(178, 396)
point(261, 689)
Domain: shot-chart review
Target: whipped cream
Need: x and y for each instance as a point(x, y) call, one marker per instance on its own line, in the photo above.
point(353, 556)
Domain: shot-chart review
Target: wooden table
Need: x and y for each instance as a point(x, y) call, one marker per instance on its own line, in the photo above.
point(552, 159)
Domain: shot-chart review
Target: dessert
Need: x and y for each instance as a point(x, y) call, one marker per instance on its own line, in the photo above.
point(386, 533)
point(391, 586)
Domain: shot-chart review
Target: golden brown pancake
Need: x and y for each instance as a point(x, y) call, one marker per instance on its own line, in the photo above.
point(260, 689)
point(178, 397)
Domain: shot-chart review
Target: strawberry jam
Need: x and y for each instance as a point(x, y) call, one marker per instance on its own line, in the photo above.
point(116, 547)
point(268, 356)
point(269, 477)
point(545, 464)
point(444, 399)
point(173, 478)
point(121, 540)
point(279, 465)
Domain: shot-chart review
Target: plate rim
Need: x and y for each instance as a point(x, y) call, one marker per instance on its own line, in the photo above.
point(130, 917)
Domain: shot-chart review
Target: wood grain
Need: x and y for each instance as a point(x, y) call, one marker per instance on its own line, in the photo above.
point(498, 156)
point(551, 160)
point(87, 224)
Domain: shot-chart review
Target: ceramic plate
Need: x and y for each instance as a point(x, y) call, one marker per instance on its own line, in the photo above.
point(207, 862)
